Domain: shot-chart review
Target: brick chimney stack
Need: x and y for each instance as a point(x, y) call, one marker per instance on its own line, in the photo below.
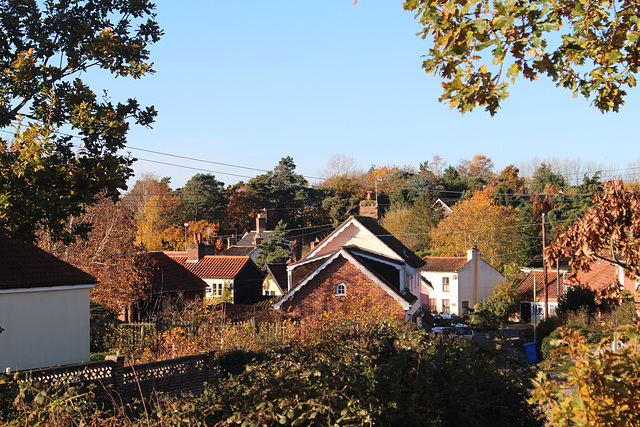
point(195, 250)
point(296, 251)
point(369, 207)
point(261, 224)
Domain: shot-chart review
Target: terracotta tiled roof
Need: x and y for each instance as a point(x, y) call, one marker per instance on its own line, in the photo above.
point(279, 272)
point(218, 266)
point(445, 263)
point(601, 275)
point(526, 287)
point(393, 243)
point(167, 275)
point(27, 266)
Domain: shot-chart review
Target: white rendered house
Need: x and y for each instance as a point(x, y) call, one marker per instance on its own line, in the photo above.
point(459, 283)
point(44, 309)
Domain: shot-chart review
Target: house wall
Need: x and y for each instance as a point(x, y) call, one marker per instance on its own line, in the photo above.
point(318, 295)
point(437, 293)
point(461, 287)
point(270, 286)
point(488, 279)
point(44, 327)
point(212, 286)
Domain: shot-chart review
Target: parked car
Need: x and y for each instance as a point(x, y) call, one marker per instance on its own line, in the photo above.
point(441, 321)
point(458, 332)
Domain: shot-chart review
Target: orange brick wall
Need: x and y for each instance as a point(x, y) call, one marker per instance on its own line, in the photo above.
point(318, 295)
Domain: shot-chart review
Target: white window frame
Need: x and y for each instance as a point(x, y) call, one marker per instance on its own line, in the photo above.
point(341, 290)
point(446, 284)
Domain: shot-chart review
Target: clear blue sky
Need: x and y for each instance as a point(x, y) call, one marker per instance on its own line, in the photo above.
point(247, 83)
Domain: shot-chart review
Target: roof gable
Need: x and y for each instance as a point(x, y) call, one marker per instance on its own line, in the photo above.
point(279, 274)
point(382, 276)
point(28, 266)
point(365, 232)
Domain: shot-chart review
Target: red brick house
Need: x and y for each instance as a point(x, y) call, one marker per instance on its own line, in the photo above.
point(357, 259)
point(602, 275)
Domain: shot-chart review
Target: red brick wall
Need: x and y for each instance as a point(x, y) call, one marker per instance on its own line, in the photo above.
point(319, 294)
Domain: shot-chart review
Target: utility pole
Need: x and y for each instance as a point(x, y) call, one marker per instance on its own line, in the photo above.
point(535, 308)
point(544, 268)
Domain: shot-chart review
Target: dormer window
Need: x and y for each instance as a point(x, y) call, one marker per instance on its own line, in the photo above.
point(341, 290)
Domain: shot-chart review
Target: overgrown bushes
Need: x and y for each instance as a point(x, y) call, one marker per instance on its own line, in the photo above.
point(353, 367)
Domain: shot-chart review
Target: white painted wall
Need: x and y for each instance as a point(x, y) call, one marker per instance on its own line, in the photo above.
point(212, 286)
point(461, 286)
point(44, 327)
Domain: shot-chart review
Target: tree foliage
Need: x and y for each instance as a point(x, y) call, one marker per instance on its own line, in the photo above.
point(284, 191)
point(503, 303)
point(44, 48)
point(412, 225)
point(203, 198)
point(107, 253)
point(604, 384)
point(609, 230)
point(155, 207)
point(479, 46)
point(478, 221)
point(242, 210)
point(276, 249)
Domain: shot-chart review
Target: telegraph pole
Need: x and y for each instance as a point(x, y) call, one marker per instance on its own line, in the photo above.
point(544, 267)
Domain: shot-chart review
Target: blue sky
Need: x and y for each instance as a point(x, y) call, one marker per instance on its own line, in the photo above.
point(247, 83)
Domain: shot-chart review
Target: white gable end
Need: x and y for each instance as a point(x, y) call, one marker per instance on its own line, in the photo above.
point(352, 233)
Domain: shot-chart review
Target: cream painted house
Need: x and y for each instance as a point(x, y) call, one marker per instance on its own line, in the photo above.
point(459, 283)
point(44, 309)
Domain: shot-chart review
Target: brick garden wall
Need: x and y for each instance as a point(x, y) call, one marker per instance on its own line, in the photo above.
point(111, 378)
point(319, 294)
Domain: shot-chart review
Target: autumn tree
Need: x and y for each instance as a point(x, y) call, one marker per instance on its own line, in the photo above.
point(176, 238)
point(480, 47)
point(154, 207)
point(609, 231)
point(481, 222)
point(479, 165)
point(242, 210)
point(107, 253)
point(396, 221)
point(508, 189)
point(412, 225)
point(46, 48)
